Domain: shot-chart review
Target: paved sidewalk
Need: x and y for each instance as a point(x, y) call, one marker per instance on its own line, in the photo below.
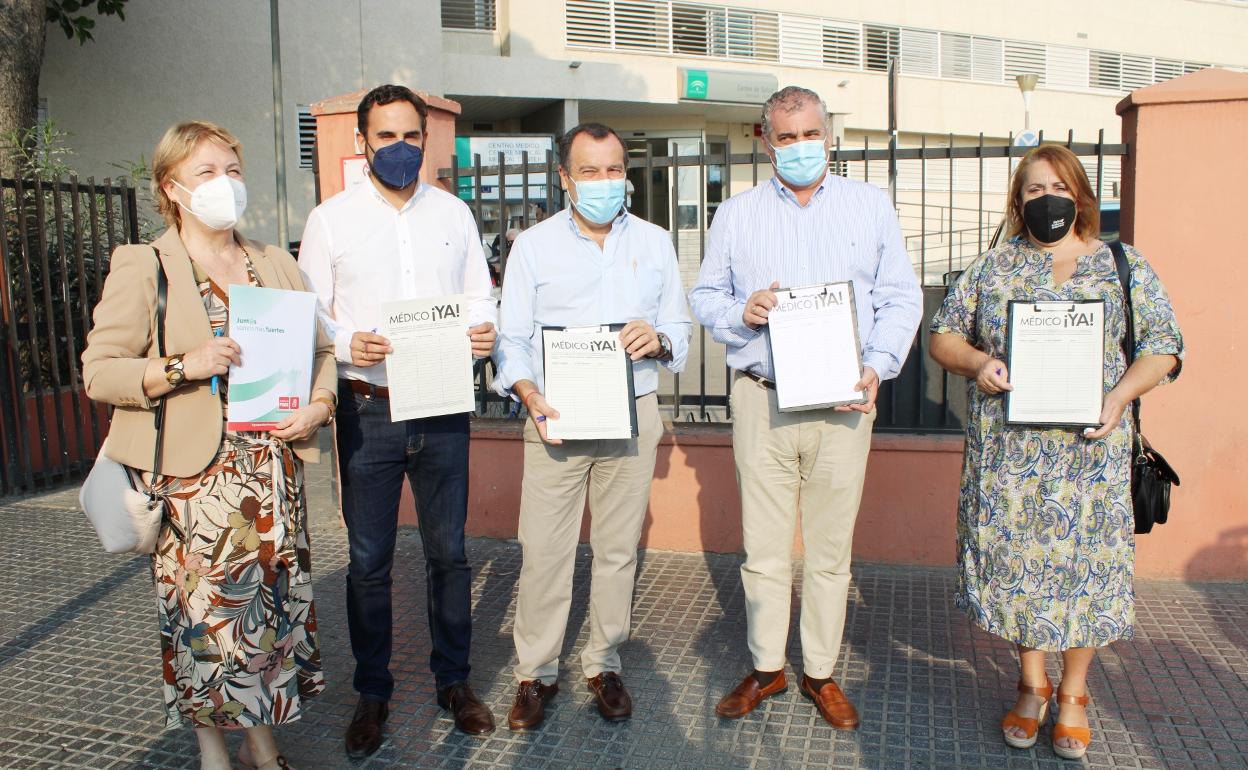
point(79, 673)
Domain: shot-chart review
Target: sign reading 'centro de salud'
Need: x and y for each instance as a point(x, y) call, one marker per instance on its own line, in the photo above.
point(723, 86)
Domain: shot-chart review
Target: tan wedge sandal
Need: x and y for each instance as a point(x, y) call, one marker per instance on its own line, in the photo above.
point(1081, 734)
point(1026, 724)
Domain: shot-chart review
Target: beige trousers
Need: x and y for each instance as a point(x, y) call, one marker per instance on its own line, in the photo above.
point(616, 474)
point(813, 462)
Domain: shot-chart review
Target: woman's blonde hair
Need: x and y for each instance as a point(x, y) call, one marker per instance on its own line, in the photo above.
point(1068, 169)
point(175, 147)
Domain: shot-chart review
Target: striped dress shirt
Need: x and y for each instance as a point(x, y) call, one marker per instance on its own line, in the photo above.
point(557, 276)
point(847, 232)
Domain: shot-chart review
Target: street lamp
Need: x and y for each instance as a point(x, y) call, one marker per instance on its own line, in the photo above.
point(1027, 84)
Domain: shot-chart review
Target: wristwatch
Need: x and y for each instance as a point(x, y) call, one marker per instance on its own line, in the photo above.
point(665, 346)
point(175, 374)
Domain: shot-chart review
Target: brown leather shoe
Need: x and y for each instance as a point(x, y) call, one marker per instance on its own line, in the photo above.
point(529, 710)
point(747, 695)
point(364, 733)
point(613, 701)
point(471, 715)
point(833, 706)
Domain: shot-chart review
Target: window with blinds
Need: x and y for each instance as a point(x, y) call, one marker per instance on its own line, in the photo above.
point(689, 28)
point(588, 23)
point(468, 14)
point(882, 44)
point(307, 138)
point(1024, 59)
point(842, 47)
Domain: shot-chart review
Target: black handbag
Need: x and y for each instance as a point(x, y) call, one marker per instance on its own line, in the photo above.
point(1151, 475)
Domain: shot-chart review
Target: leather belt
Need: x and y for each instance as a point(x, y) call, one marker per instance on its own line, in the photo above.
point(766, 383)
point(368, 390)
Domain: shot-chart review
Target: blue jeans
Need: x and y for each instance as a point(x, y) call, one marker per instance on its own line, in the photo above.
point(374, 455)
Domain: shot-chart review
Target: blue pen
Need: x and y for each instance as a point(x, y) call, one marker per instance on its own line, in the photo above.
point(217, 332)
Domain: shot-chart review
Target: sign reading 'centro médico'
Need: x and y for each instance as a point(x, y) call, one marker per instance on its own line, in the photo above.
point(723, 86)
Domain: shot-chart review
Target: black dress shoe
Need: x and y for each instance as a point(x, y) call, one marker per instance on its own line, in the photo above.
point(471, 715)
point(614, 704)
point(364, 733)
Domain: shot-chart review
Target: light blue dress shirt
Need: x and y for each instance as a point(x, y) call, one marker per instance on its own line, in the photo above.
point(847, 231)
point(557, 276)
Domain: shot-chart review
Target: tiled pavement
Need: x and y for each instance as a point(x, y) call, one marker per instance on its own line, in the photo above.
point(78, 669)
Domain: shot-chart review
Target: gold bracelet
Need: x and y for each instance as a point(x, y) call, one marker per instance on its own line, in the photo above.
point(329, 402)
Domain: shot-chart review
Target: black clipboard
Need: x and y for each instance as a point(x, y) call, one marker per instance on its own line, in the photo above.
point(1020, 306)
point(628, 369)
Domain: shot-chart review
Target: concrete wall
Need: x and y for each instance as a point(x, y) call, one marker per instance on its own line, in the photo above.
point(1187, 138)
point(174, 60)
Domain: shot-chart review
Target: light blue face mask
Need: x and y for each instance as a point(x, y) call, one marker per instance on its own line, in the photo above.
point(599, 200)
point(801, 163)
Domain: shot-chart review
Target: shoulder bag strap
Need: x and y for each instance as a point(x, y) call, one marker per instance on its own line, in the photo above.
point(1128, 340)
point(162, 300)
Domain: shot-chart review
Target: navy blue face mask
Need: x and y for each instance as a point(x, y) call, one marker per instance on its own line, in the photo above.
point(397, 165)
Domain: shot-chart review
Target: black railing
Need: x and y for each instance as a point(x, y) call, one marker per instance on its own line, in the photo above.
point(949, 201)
point(54, 254)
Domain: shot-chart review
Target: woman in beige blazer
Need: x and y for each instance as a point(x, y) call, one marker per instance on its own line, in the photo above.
point(231, 567)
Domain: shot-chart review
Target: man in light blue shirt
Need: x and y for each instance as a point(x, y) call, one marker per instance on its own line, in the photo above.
point(805, 226)
point(591, 264)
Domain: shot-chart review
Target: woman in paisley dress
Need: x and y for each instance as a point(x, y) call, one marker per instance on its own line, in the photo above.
point(1046, 547)
point(231, 568)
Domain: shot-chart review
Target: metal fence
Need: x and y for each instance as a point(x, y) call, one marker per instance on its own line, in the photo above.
point(949, 201)
point(54, 253)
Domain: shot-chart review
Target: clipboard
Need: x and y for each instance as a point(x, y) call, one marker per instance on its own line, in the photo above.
point(1057, 346)
point(591, 399)
point(826, 313)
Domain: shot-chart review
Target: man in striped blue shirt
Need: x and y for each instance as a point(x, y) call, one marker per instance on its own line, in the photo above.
point(593, 263)
point(806, 226)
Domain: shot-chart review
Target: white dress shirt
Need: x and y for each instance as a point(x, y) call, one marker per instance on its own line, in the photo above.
point(557, 276)
point(359, 251)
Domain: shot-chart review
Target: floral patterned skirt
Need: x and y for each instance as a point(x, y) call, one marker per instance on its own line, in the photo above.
point(232, 573)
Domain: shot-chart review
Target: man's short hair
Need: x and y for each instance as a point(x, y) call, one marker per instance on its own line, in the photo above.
point(595, 130)
point(791, 99)
point(388, 94)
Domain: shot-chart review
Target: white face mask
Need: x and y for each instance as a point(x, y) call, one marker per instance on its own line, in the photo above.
point(219, 203)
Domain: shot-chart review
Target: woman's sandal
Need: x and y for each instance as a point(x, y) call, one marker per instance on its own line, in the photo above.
point(1081, 734)
point(1026, 724)
point(276, 763)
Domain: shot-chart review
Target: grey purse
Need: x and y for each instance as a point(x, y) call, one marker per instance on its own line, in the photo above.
point(127, 520)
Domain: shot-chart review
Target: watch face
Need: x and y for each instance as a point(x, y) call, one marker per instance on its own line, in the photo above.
point(174, 372)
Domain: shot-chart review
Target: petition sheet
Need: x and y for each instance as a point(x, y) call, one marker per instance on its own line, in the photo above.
point(276, 331)
point(430, 371)
point(815, 351)
point(1056, 353)
point(589, 381)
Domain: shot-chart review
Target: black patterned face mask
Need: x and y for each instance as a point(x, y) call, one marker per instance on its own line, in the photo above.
point(1049, 217)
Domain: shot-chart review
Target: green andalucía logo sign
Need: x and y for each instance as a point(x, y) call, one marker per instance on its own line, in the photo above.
point(695, 84)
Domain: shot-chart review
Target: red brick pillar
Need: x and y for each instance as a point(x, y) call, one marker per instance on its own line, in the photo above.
point(1184, 205)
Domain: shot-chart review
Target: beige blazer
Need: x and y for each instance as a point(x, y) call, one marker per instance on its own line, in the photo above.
point(120, 344)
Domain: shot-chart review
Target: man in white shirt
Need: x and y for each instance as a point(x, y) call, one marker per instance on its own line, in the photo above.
point(591, 264)
point(391, 238)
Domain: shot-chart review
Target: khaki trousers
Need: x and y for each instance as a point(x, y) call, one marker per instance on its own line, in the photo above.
point(616, 474)
point(813, 462)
